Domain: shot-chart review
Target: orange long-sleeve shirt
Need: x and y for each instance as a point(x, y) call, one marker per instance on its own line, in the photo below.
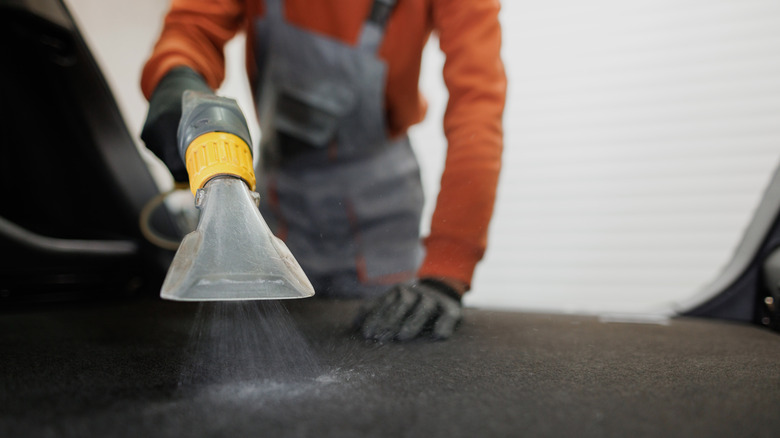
point(195, 33)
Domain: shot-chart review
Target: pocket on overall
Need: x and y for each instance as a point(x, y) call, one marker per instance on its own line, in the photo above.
point(312, 113)
point(387, 207)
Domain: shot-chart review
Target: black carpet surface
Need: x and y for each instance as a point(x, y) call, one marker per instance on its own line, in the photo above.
point(150, 368)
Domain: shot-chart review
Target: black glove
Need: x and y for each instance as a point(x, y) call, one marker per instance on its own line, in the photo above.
point(162, 120)
point(410, 310)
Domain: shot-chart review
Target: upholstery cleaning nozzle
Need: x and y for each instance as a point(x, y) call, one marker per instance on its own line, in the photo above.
point(232, 255)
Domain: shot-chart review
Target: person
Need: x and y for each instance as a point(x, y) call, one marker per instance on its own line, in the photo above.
point(335, 84)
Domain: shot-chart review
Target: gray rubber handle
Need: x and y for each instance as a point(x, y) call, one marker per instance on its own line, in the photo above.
point(203, 113)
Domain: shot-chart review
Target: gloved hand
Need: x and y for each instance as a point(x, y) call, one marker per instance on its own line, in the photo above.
point(162, 120)
point(410, 310)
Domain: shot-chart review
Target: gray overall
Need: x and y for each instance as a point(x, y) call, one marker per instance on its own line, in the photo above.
point(345, 198)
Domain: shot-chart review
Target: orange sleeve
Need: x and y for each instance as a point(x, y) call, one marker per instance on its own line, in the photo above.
point(194, 35)
point(470, 37)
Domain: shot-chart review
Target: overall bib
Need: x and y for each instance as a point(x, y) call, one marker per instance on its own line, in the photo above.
point(345, 198)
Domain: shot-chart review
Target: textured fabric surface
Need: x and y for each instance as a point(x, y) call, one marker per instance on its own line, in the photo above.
point(132, 369)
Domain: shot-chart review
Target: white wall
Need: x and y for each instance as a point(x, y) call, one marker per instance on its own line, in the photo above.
point(639, 138)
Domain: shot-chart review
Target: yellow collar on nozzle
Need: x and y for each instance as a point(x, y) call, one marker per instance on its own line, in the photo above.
point(218, 153)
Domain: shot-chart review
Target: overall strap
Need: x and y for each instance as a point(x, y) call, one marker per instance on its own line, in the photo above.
point(274, 8)
point(374, 27)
